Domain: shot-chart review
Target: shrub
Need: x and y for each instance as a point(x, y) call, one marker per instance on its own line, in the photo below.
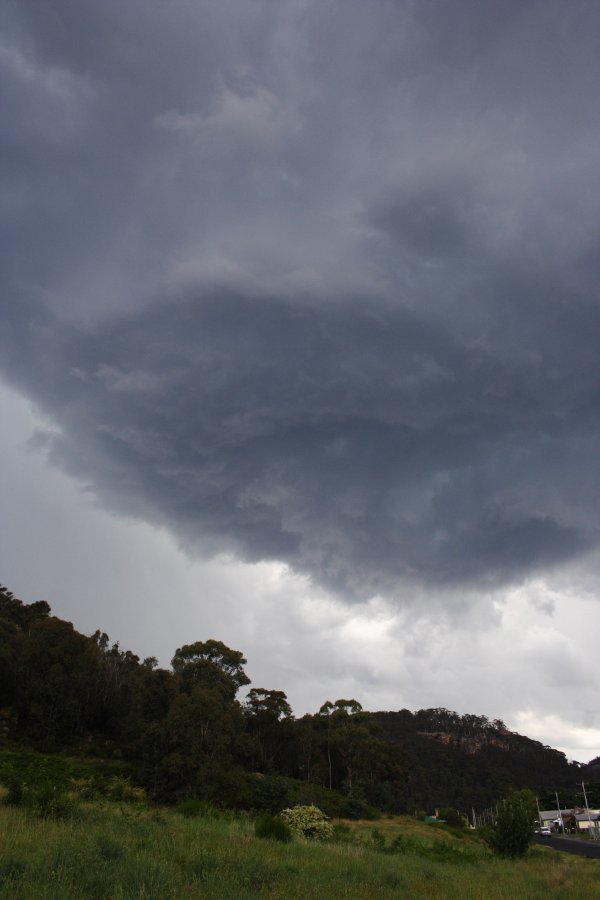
point(452, 817)
point(41, 796)
point(49, 801)
point(308, 822)
point(84, 788)
point(272, 828)
point(15, 791)
point(121, 789)
point(270, 793)
point(354, 808)
point(511, 834)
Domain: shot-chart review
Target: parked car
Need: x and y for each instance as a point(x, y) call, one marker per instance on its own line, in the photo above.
point(545, 830)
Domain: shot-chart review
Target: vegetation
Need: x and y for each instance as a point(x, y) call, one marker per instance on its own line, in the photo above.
point(111, 850)
point(273, 828)
point(120, 725)
point(308, 822)
point(511, 834)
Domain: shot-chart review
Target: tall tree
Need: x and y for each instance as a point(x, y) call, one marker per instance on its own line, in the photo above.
point(268, 717)
point(211, 662)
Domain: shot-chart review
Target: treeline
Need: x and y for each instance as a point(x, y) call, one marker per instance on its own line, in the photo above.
point(184, 729)
point(445, 720)
point(186, 732)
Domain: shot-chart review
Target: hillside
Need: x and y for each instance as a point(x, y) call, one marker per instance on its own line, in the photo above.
point(468, 761)
point(184, 731)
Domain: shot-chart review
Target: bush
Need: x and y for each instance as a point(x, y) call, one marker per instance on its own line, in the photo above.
point(308, 822)
point(49, 801)
point(354, 808)
point(84, 788)
point(15, 791)
point(270, 793)
point(511, 834)
point(272, 828)
point(452, 817)
point(43, 798)
point(377, 839)
point(121, 789)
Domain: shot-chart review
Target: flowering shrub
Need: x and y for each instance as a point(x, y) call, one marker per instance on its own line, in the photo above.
point(308, 822)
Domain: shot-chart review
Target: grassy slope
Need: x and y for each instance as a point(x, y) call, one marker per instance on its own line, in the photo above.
point(109, 852)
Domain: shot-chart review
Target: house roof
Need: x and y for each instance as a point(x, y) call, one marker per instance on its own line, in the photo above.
point(554, 813)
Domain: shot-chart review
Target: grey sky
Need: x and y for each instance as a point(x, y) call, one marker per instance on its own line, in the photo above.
point(315, 285)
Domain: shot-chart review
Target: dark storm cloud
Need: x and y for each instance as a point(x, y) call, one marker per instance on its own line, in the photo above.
point(314, 282)
point(359, 444)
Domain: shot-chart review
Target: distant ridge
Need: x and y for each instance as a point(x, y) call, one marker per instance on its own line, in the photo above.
point(473, 760)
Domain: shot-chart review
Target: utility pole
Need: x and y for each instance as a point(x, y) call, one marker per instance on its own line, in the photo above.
point(587, 809)
point(559, 812)
point(537, 803)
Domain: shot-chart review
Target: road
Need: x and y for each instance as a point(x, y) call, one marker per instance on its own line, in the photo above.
point(591, 849)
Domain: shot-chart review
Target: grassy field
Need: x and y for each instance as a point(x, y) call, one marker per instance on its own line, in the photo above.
point(109, 851)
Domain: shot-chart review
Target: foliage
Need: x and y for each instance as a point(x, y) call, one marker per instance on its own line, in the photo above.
point(451, 816)
point(83, 788)
point(272, 828)
point(270, 793)
point(511, 834)
point(85, 777)
point(268, 718)
point(308, 822)
point(438, 771)
point(49, 801)
point(211, 662)
point(42, 798)
point(15, 790)
point(122, 789)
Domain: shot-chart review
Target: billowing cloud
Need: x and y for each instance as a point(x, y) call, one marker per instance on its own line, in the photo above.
point(361, 445)
point(523, 654)
point(314, 283)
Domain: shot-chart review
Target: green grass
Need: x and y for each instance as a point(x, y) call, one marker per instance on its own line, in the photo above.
point(109, 851)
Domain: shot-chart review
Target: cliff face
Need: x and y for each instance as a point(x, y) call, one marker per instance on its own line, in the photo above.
point(503, 740)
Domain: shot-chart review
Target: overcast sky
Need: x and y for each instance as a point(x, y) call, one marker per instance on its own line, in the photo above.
point(300, 341)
